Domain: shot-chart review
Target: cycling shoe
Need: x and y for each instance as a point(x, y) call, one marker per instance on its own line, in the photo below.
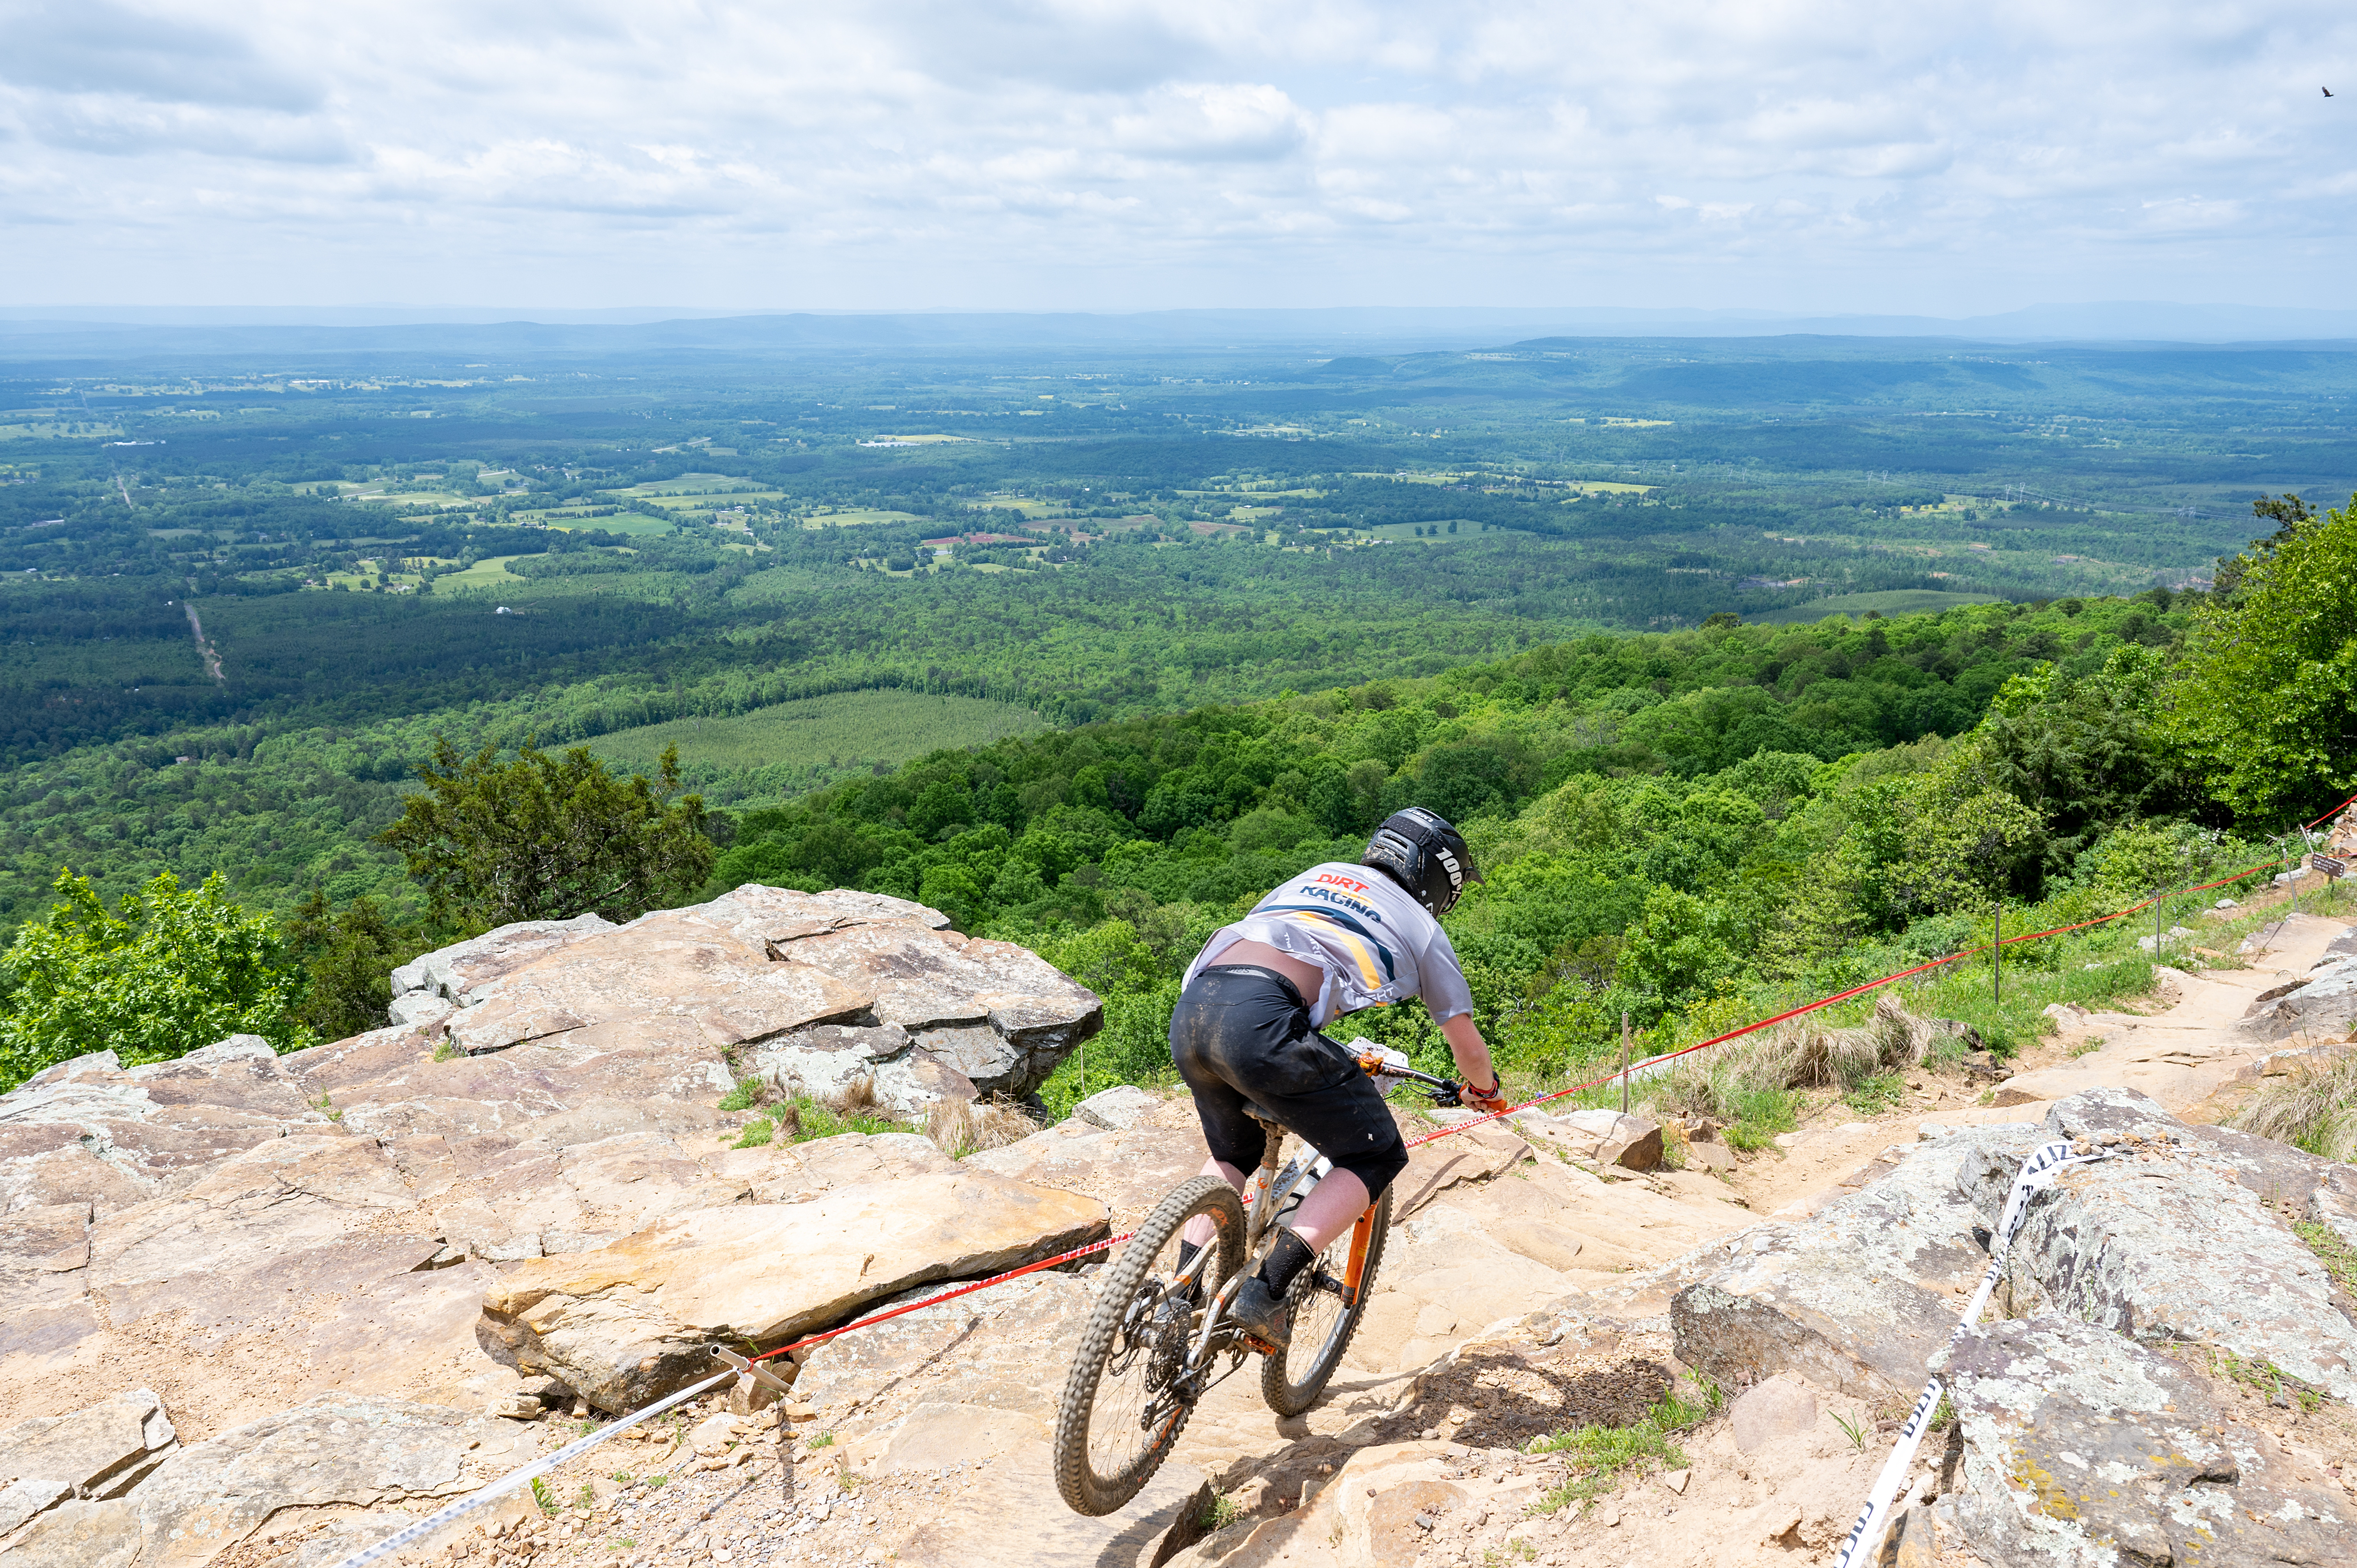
point(1262, 1313)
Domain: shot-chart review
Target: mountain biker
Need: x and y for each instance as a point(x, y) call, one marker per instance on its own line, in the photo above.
point(1244, 1035)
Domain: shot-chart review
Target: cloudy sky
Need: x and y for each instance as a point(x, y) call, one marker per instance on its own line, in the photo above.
point(1114, 154)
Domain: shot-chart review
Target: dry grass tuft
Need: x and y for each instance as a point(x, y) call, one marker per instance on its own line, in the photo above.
point(788, 1118)
point(2313, 1107)
point(1806, 1056)
point(961, 1127)
point(857, 1096)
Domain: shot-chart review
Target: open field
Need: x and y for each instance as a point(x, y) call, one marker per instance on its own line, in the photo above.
point(620, 522)
point(62, 430)
point(1434, 533)
point(845, 732)
point(491, 572)
point(1895, 602)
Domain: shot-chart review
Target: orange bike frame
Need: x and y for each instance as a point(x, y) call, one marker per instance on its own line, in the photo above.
point(1358, 1269)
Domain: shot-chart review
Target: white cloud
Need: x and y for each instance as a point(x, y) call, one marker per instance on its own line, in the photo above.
point(1127, 154)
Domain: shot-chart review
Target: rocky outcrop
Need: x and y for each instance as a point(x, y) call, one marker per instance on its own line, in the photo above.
point(242, 1232)
point(808, 992)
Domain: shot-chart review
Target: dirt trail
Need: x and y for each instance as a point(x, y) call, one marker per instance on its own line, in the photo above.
point(204, 648)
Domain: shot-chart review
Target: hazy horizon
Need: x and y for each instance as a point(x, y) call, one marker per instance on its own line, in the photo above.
point(1134, 156)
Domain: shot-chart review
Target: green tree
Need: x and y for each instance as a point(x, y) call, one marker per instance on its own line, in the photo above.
point(546, 838)
point(347, 960)
point(2265, 704)
point(170, 969)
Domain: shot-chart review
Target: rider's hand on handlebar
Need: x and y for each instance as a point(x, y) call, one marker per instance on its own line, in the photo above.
point(1488, 1101)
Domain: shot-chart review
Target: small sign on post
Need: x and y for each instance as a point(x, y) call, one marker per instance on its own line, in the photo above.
point(2334, 866)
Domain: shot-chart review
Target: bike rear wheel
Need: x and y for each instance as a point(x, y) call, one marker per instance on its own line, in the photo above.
point(1119, 1417)
point(1323, 1322)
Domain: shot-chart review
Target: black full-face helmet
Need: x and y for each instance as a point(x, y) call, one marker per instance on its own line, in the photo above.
point(1424, 855)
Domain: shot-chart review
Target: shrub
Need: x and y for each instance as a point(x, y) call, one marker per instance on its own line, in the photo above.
point(170, 969)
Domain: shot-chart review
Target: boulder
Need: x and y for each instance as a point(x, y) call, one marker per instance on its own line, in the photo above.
point(832, 988)
point(1858, 1296)
point(634, 1320)
point(2167, 1245)
point(1774, 1413)
point(2324, 1001)
point(826, 1062)
point(1118, 1109)
point(2082, 1447)
point(997, 1014)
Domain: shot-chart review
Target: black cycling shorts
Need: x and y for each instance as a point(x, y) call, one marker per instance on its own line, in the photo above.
point(1241, 1038)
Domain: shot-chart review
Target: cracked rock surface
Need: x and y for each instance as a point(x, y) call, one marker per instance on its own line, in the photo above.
point(2082, 1448)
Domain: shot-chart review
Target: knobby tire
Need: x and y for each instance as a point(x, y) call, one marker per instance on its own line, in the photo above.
point(1094, 1484)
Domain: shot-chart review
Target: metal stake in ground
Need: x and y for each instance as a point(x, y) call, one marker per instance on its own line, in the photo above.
point(1996, 957)
point(1624, 1062)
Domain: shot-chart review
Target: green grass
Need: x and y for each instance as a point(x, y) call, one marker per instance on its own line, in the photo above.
point(2339, 1258)
point(846, 731)
point(491, 571)
point(1763, 1114)
point(1894, 602)
point(1877, 1094)
point(811, 1119)
point(759, 1133)
point(1600, 1454)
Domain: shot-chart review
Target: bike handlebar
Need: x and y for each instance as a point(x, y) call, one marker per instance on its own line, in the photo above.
point(1444, 1093)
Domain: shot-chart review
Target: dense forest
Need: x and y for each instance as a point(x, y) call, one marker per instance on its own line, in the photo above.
point(1631, 613)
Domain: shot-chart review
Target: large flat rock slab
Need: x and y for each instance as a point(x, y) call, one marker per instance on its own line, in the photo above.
point(2082, 1447)
point(662, 966)
point(92, 1131)
point(334, 1453)
point(631, 1321)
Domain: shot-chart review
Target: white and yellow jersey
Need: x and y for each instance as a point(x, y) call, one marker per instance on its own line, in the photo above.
point(1376, 944)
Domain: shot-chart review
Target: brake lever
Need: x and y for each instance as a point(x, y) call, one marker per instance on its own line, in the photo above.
point(1445, 1097)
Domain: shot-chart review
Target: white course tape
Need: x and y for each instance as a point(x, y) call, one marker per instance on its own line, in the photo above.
point(515, 1480)
point(1864, 1542)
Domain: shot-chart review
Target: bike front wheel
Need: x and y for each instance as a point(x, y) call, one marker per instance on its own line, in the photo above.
point(1325, 1313)
point(1121, 1412)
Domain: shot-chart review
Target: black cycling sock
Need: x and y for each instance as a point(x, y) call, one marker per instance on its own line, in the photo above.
point(1287, 1258)
point(1187, 1251)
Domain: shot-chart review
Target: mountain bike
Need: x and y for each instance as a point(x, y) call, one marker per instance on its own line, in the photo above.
point(1160, 1338)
